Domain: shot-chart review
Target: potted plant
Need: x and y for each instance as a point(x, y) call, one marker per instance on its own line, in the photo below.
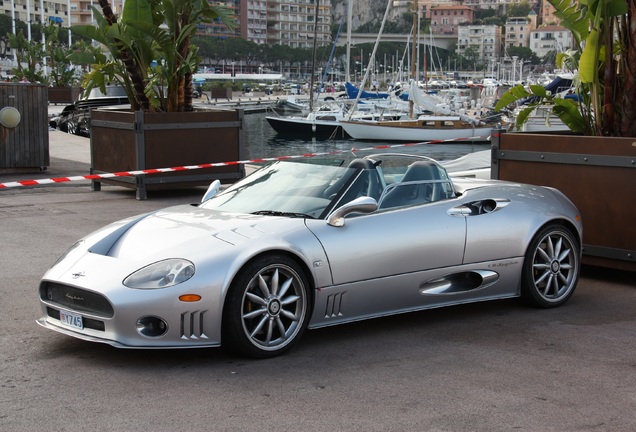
point(61, 73)
point(595, 166)
point(604, 67)
point(152, 58)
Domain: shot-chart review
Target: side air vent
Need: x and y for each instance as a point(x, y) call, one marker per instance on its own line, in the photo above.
point(192, 325)
point(335, 303)
point(459, 282)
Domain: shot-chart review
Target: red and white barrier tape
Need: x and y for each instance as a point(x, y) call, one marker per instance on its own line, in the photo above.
point(56, 180)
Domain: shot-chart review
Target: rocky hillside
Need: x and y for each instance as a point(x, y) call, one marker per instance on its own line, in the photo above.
point(366, 11)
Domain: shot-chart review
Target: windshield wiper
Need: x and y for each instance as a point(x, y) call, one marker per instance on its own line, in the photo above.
point(284, 214)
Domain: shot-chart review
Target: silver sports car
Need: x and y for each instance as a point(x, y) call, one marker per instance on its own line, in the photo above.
point(299, 245)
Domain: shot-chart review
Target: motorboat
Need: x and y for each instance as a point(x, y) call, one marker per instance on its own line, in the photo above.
point(325, 122)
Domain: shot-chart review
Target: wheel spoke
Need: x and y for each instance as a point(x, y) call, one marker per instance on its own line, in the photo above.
point(254, 314)
point(281, 328)
point(259, 327)
point(564, 254)
point(270, 330)
point(256, 299)
point(285, 287)
point(546, 258)
point(555, 285)
point(548, 284)
point(290, 299)
point(289, 315)
point(262, 284)
point(545, 274)
point(274, 283)
point(557, 248)
point(550, 247)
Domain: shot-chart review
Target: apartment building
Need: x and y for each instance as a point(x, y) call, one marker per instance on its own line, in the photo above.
point(445, 19)
point(547, 14)
point(500, 5)
point(82, 10)
point(292, 23)
point(253, 20)
point(518, 30)
point(550, 38)
point(485, 38)
point(37, 12)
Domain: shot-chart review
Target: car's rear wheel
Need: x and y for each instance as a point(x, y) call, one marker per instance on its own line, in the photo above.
point(551, 267)
point(71, 127)
point(267, 307)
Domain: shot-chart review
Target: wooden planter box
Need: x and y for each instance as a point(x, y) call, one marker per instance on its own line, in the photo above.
point(26, 146)
point(223, 93)
point(64, 95)
point(597, 173)
point(132, 141)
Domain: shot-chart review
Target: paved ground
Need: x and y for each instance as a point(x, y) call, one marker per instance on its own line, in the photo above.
point(488, 367)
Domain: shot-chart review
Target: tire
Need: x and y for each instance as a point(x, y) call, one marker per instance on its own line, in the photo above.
point(72, 128)
point(551, 267)
point(267, 307)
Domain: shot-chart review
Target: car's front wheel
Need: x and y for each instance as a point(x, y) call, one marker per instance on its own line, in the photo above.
point(267, 307)
point(551, 267)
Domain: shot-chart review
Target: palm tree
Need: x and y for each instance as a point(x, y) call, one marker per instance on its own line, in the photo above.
point(152, 57)
point(605, 69)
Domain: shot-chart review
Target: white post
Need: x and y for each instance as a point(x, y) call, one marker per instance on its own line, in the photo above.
point(15, 55)
point(29, 20)
point(68, 13)
point(43, 36)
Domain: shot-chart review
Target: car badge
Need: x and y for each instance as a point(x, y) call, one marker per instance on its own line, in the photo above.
point(78, 274)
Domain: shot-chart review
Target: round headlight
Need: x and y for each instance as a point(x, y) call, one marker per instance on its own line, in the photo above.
point(162, 274)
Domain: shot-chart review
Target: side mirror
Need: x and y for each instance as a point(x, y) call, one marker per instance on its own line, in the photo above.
point(363, 204)
point(213, 189)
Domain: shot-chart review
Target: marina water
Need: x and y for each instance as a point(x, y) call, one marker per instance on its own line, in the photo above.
point(264, 142)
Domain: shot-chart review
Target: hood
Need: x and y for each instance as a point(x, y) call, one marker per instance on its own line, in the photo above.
point(179, 231)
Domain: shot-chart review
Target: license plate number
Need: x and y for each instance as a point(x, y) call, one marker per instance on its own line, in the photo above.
point(71, 320)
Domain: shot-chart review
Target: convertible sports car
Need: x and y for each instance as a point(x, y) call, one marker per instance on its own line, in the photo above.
point(299, 245)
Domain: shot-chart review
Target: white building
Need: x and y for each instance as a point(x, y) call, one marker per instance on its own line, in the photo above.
point(550, 38)
point(485, 38)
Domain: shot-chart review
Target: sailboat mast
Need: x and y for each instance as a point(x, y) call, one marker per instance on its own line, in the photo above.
point(413, 48)
point(349, 19)
point(372, 58)
point(313, 60)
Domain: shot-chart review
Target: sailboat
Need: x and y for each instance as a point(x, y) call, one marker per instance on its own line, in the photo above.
point(442, 125)
point(324, 122)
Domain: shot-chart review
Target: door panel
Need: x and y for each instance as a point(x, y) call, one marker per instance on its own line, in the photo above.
point(393, 242)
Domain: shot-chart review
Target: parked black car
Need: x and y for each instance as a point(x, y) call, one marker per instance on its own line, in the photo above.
point(76, 118)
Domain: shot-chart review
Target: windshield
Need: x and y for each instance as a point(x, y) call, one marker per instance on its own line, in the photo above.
point(286, 188)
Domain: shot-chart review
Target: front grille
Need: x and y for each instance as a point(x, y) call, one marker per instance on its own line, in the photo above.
point(87, 322)
point(76, 299)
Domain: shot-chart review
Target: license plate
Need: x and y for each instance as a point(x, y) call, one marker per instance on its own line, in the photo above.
point(71, 320)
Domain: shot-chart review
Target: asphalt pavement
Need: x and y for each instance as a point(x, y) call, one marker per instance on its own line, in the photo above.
point(494, 366)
